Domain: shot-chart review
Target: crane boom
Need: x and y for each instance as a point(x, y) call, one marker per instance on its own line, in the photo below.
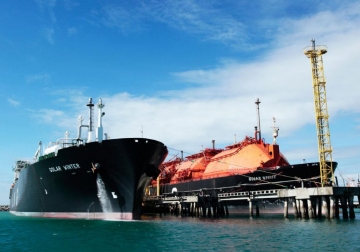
point(314, 53)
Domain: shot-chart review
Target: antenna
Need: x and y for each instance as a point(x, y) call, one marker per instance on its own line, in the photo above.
point(99, 130)
point(91, 118)
point(257, 102)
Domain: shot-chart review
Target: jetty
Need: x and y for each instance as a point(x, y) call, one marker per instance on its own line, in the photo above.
point(313, 202)
point(4, 208)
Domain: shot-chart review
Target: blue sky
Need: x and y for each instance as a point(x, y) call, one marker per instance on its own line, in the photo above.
point(187, 72)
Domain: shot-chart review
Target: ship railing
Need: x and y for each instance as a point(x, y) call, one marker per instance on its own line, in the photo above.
point(22, 163)
point(66, 142)
point(260, 194)
point(322, 48)
point(170, 198)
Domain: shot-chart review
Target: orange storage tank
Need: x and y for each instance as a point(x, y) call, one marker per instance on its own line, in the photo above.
point(244, 157)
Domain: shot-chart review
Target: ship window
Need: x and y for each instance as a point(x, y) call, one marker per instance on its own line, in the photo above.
point(270, 153)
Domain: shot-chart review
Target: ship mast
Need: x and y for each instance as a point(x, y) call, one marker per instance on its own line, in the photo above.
point(91, 119)
point(314, 53)
point(275, 131)
point(99, 129)
point(257, 102)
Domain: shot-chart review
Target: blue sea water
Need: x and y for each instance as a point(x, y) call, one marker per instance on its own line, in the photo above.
point(170, 233)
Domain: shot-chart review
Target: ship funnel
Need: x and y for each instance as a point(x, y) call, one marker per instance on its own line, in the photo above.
point(213, 144)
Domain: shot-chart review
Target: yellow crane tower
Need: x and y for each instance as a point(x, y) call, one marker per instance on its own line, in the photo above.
point(314, 53)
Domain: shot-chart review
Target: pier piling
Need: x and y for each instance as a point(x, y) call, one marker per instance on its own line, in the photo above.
point(296, 209)
point(332, 207)
point(250, 208)
point(351, 207)
point(303, 208)
point(286, 208)
point(337, 215)
point(343, 202)
point(310, 204)
point(325, 206)
point(319, 207)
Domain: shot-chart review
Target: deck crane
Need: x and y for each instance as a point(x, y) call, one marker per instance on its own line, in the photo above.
point(314, 53)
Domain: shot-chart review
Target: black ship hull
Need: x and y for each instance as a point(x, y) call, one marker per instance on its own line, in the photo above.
point(307, 174)
point(65, 186)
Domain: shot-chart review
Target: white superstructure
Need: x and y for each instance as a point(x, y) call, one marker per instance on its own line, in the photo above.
point(53, 147)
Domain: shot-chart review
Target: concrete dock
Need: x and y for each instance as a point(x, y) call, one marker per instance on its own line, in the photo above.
point(4, 208)
point(313, 202)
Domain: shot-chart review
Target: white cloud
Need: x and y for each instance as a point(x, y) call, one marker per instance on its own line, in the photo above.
point(38, 78)
point(50, 116)
point(47, 6)
point(49, 35)
point(72, 31)
point(198, 18)
point(221, 101)
point(14, 102)
point(123, 19)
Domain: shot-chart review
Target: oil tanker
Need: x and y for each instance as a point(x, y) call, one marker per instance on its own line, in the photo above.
point(93, 177)
point(251, 164)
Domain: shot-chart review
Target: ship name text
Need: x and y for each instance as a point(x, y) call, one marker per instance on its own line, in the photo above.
point(65, 167)
point(262, 178)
